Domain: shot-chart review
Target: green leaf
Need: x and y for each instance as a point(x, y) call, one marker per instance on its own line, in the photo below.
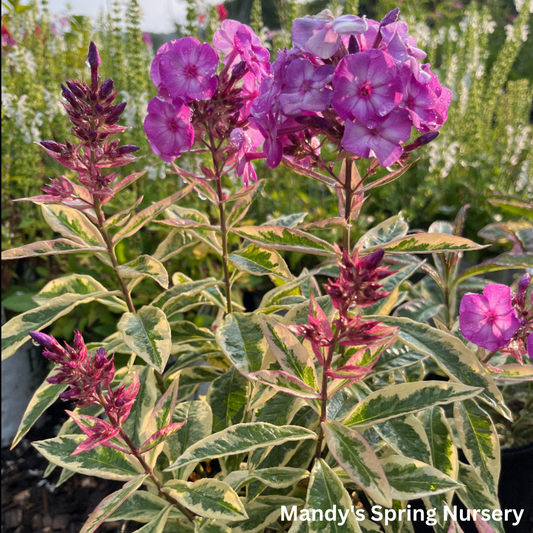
point(211, 526)
point(55, 247)
point(418, 310)
point(16, 332)
point(386, 231)
point(452, 356)
point(241, 438)
point(73, 224)
point(137, 422)
point(157, 525)
point(142, 506)
point(43, 398)
point(101, 462)
point(184, 296)
point(411, 479)
point(145, 266)
point(173, 244)
point(242, 341)
point(406, 436)
point(475, 494)
point(289, 352)
point(147, 333)
point(479, 441)
point(111, 503)
point(406, 398)
point(325, 491)
point(282, 238)
point(443, 453)
point(513, 373)
point(260, 262)
point(241, 206)
point(209, 498)
point(191, 377)
point(262, 513)
point(278, 295)
point(228, 396)
point(425, 243)
point(284, 382)
point(326, 223)
point(77, 284)
point(184, 331)
point(120, 218)
point(137, 221)
point(359, 461)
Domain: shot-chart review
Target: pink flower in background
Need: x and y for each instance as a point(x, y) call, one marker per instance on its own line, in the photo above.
point(7, 39)
point(489, 320)
point(222, 12)
point(246, 141)
point(366, 86)
point(383, 140)
point(168, 128)
point(321, 35)
point(306, 87)
point(147, 38)
point(188, 70)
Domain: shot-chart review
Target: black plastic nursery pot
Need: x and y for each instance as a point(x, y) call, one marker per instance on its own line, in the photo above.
point(515, 491)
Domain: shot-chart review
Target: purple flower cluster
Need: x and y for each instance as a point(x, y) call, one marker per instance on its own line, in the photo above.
point(499, 319)
point(357, 81)
point(197, 104)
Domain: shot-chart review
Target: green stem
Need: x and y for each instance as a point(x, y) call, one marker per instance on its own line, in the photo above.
point(112, 255)
point(348, 204)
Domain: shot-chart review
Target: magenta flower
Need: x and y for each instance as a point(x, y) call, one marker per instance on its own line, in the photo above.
point(489, 320)
point(321, 35)
point(154, 69)
point(367, 86)
point(98, 432)
point(168, 129)
point(306, 89)
point(383, 140)
point(188, 70)
point(272, 147)
point(443, 97)
point(246, 141)
point(419, 101)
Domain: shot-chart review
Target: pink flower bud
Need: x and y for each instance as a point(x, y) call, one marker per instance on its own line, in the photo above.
point(107, 88)
point(390, 17)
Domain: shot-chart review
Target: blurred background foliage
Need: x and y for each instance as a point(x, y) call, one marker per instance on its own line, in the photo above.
point(482, 51)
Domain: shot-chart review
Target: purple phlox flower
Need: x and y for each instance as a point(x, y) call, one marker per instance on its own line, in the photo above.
point(168, 128)
point(321, 35)
point(188, 70)
point(272, 147)
point(443, 98)
point(249, 93)
point(367, 38)
point(154, 69)
point(383, 140)
point(367, 86)
point(419, 100)
point(399, 43)
point(239, 43)
point(98, 431)
point(317, 330)
point(489, 319)
point(246, 141)
point(305, 88)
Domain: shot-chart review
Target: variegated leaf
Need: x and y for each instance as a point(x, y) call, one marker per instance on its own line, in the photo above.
point(157, 524)
point(289, 352)
point(283, 238)
point(147, 333)
point(406, 398)
point(275, 477)
point(16, 332)
point(287, 221)
point(182, 288)
point(384, 232)
point(55, 247)
point(284, 382)
point(183, 331)
point(208, 525)
point(209, 498)
point(173, 244)
point(72, 224)
point(111, 503)
point(191, 377)
point(452, 356)
point(101, 462)
point(479, 441)
point(426, 243)
point(419, 310)
point(241, 438)
point(242, 341)
point(43, 398)
point(145, 266)
point(411, 479)
point(278, 296)
point(326, 490)
point(260, 262)
point(353, 453)
point(406, 436)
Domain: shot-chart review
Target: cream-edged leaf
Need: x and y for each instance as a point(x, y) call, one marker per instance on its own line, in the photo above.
point(260, 262)
point(54, 247)
point(145, 266)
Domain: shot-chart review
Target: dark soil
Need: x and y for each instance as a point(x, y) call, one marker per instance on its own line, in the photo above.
point(31, 504)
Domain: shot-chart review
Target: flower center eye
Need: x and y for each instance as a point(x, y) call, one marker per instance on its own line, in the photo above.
point(306, 86)
point(364, 90)
point(190, 71)
point(491, 317)
point(172, 125)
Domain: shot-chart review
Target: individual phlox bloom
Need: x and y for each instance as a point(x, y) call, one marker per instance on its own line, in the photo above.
point(443, 99)
point(367, 86)
point(188, 70)
point(168, 128)
point(305, 88)
point(383, 140)
point(98, 432)
point(399, 43)
point(249, 93)
point(321, 35)
point(272, 147)
point(154, 69)
point(418, 100)
point(246, 141)
point(489, 320)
